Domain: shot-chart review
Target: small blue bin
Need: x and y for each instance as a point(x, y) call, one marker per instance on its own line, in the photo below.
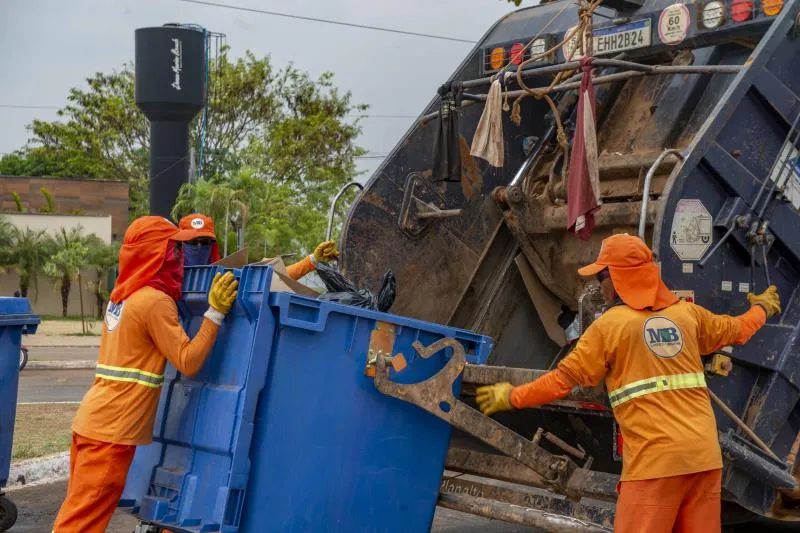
point(16, 318)
point(282, 430)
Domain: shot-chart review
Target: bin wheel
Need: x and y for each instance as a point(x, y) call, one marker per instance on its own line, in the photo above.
point(8, 513)
point(23, 358)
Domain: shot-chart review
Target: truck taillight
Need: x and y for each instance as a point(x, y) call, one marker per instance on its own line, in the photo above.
point(771, 7)
point(713, 15)
point(517, 53)
point(741, 10)
point(496, 58)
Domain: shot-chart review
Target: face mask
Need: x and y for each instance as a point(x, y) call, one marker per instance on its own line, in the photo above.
point(196, 255)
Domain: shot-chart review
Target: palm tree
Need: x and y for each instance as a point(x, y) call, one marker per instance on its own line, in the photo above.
point(28, 252)
point(69, 257)
point(6, 243)
point(102, 259)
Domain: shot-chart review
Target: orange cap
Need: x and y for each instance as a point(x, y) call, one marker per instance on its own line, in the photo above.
point(143, 251)
point(201, 225)
point(635, 276)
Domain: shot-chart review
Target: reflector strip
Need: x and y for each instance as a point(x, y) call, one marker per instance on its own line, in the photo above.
point(647, 386)
point(130, 375)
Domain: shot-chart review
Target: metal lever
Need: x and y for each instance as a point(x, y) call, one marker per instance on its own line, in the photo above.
point(435, 395)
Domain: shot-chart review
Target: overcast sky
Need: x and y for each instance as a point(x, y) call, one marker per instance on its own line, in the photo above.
point(48, 46)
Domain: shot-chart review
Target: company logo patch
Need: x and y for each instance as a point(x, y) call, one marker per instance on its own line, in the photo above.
point(197, 223)
point(113, 315)
point(663, 337)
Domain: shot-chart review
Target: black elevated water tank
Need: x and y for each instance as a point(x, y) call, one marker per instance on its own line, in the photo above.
point(170, 90)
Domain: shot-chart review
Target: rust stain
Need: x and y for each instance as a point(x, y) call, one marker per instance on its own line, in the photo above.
point(471, 180)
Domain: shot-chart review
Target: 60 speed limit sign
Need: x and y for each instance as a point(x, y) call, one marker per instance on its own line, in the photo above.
point(673, 24)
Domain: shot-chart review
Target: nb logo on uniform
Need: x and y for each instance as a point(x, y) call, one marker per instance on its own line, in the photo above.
point(663, 337)
point(113, 315)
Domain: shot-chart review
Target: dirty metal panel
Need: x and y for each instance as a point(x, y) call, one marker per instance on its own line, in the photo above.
point(602, 515)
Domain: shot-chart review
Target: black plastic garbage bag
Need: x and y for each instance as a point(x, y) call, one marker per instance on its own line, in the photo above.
point(342, 290)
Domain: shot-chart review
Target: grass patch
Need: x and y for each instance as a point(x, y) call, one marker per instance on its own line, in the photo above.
point(60, 318)
point(90, 334)
point(41, 430)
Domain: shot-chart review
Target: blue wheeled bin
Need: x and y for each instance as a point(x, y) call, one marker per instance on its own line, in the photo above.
point(283, 431)
point(16, 318)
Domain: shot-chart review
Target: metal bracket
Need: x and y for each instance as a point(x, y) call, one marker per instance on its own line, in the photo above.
point(435, 395)
point(416, 213)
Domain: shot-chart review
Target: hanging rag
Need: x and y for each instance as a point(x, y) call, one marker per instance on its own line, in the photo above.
point(583, 182)
point(446, 154)
point(488, 141)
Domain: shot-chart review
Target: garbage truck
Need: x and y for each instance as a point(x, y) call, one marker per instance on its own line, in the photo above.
point(697, 130)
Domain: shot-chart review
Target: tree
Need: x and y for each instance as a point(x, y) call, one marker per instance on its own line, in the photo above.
point(257, 117)
point(6, 243)
point(28, 253)
point(65, 264)
point(102, 258)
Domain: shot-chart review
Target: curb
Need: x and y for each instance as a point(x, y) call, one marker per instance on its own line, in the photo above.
point(38, 471)
point(61, 345)
point(60, 365)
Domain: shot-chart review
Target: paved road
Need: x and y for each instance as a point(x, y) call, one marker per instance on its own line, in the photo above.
point(39, 505)
point(55, 353)
point(54, 385)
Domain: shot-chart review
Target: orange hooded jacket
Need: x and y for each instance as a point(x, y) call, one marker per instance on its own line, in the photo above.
point(141, 332)
point(648, 352)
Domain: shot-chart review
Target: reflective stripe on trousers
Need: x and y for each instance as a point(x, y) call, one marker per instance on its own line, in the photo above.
point(647, 386)
point(130, 375)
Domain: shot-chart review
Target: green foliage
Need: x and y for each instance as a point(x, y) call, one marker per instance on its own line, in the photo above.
point(27, 253)
point(50, 206)
point(18, 202)
point(279, 189)
point(102, 258)
point(69, 256)
point(280, 125)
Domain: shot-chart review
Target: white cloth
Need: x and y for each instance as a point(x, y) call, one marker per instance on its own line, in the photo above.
point(488, 141)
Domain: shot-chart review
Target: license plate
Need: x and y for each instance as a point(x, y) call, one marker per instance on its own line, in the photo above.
point(616, 39)
point(620, 38)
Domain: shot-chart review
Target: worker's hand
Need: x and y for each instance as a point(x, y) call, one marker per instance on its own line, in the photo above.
point(326, 252)
point(223, 292)
point(494, 398)
point(770, 300)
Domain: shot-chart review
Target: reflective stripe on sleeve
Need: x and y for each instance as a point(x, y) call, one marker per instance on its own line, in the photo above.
point(647, 386)
point(130, 375)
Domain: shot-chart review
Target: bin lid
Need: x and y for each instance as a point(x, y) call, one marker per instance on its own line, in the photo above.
point(18, 312)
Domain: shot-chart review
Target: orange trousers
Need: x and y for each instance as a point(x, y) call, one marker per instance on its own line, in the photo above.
point(679, 504)
point(97, 473)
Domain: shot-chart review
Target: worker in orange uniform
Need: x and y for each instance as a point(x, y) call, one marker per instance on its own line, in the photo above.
point(141, 332)
point(204, 250)
point(648, 347)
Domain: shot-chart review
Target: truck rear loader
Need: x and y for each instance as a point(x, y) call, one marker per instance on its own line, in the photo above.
point(697, 134)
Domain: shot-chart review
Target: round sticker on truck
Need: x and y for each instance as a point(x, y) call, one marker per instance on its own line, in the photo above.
point(673, 24)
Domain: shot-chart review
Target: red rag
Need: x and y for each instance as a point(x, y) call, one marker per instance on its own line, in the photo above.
point(581, 200)
point(170, 278)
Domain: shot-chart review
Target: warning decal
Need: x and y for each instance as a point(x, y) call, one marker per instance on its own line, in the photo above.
point(691, 235)
point(673, 24)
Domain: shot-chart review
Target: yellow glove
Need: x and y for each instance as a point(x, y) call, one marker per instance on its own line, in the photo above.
point(223, 292)
point(326, 252)
point(494, 398)
point(770, 300)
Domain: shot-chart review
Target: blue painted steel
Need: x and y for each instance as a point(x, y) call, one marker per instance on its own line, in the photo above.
point(727, 162)
point(16, 318)
point(282, 431)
